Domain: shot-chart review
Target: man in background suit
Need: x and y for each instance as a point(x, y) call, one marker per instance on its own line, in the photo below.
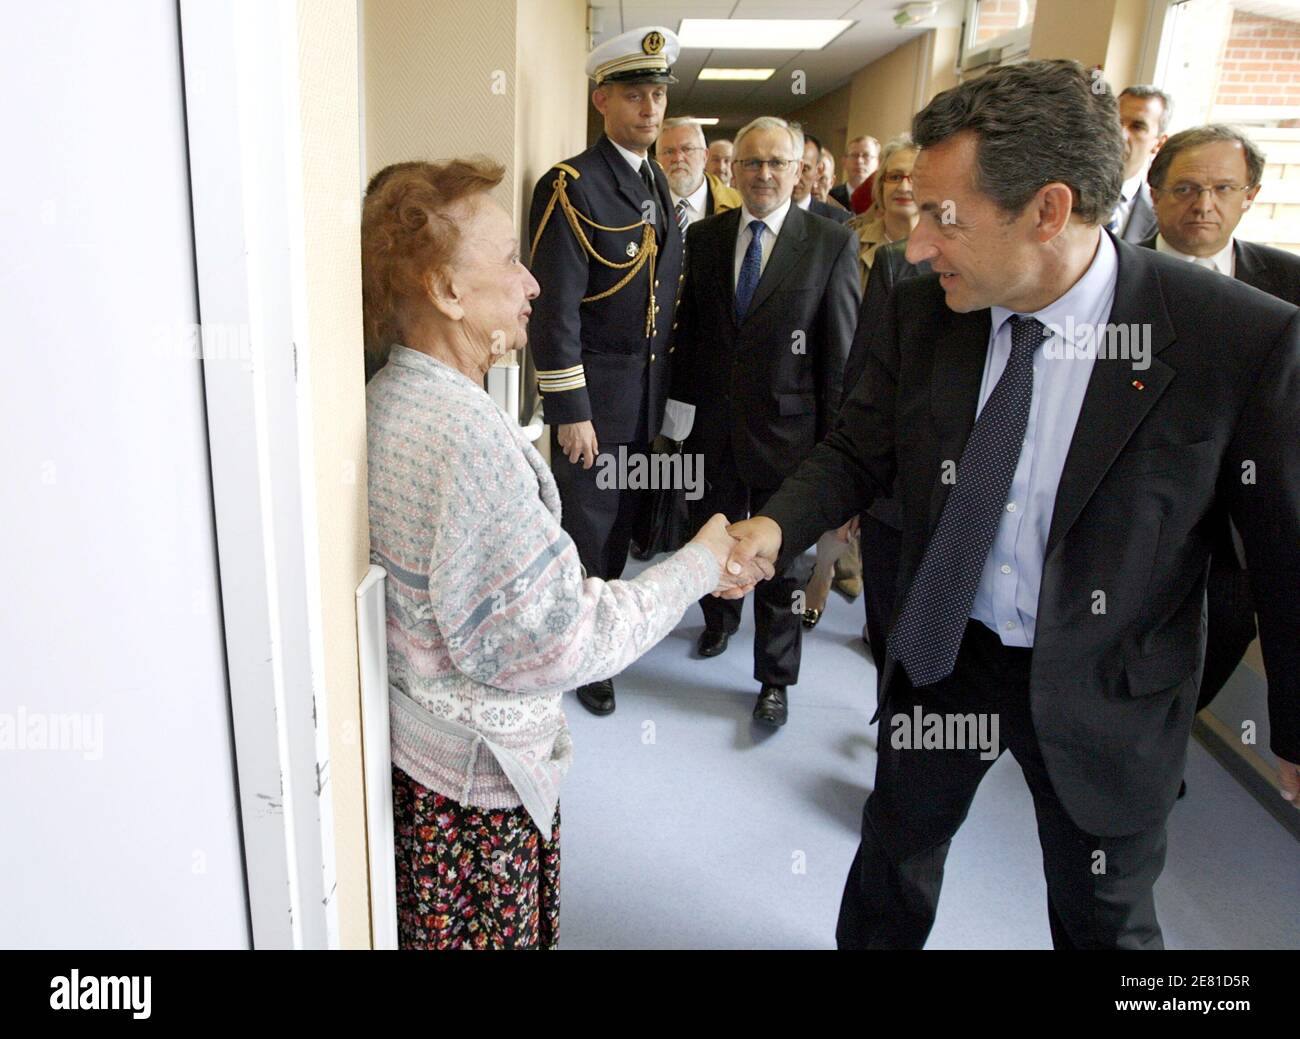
point(600, 337)
point(719, 161)
point(764, 327)
point(880, 527)
point(802, 194)
point(1202, 182)
point(860, 162)
point(1144, 113)
point(1059, 507)
point(695, 193)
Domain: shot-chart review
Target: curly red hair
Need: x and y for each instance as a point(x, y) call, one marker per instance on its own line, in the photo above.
point(406, 234)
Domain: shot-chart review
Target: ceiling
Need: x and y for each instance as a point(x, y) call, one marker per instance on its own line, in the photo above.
point(872, 35)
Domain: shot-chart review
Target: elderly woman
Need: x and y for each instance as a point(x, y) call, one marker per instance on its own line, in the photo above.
point(892, 216)
point(490, 618)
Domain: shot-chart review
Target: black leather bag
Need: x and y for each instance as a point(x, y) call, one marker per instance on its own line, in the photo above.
point(664, 524)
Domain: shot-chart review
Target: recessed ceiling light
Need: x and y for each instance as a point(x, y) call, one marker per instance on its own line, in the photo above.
point(711, 120)
point(736, 74)
point(798, 34)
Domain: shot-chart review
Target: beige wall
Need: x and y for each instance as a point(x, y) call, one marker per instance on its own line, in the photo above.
point(828, 119)
point(1109, 33)
point(440, 83)
point(331, 188)
point(884, 93)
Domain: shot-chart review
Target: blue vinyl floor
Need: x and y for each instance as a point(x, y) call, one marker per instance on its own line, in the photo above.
point(686, 826)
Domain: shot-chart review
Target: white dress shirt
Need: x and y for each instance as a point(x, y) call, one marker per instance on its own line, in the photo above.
point(1224, 261)
point(773, 220)
point(696, 202)
point(1006, 600)
point(633, 159)
point(1128, 192)
point(805, 203)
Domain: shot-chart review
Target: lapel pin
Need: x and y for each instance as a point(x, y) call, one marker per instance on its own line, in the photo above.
point(1138, 384)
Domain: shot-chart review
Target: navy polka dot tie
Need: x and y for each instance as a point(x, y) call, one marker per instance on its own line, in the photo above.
point(928, 633)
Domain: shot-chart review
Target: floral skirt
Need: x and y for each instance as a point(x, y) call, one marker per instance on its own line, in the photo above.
point(472, 878)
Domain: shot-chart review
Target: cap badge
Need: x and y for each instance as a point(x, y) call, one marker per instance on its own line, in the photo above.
point(652, 42)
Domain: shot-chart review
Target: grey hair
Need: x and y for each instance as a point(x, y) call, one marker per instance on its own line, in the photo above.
point(1034, 123)
point(902, 143)
point(683, 120)
point(771, 122)
point(1142, 91)
point(1194, 138)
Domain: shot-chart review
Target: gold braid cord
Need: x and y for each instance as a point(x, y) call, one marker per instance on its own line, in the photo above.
point(576, 219)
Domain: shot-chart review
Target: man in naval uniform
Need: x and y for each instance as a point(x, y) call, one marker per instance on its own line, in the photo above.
point(607, 253)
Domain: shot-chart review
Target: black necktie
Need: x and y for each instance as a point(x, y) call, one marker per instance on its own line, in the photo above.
point(649, 178)
point(928, 633)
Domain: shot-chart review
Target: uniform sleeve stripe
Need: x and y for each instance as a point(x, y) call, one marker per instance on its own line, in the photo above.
point(569, 384)
point(556, 372)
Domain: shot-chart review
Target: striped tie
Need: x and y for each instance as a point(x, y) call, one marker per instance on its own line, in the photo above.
point(682, 220)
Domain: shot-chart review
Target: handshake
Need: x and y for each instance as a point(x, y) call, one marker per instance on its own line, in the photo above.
point(746, 552)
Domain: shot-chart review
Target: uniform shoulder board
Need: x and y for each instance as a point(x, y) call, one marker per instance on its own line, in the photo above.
point(567, 169)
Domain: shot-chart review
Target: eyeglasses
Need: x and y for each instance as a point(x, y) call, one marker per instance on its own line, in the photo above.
point(1186, 192)
point(896, 177)
point(685, 149)
point(864, 156)
point(754, 165)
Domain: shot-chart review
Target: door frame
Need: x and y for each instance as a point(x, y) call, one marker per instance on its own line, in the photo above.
point(240, 71)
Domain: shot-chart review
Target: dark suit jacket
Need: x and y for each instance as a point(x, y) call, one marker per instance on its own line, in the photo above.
point(1156, 459)
point(1141, 223)
point(888, 268)
point(624, 372)
point(768, 386)
point(840, 192)
point(840, 216)
point(1270, 270)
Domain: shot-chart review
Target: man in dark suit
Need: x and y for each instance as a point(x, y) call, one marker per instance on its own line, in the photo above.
point(607, 253)
point(1144, 113)
point(764, 327)
point(802, 195)
point(860, 162)
point(1203, 181)
point(880, 527)
point(1059, 505)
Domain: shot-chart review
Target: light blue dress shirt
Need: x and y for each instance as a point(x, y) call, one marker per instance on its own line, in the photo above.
point(1007, 597)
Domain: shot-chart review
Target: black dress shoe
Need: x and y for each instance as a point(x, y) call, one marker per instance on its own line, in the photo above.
point(712, 643)
point(771, 706)
point(598, 697)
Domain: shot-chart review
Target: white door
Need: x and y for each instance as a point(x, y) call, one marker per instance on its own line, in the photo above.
point(118, 804)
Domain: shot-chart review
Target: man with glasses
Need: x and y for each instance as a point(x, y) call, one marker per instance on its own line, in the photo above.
point(1202, 183)
point(695, 193)
point(766, 317)
point(860, 162)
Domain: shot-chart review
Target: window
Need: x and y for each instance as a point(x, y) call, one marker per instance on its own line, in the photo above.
point(997, 31)
point(1238, 62)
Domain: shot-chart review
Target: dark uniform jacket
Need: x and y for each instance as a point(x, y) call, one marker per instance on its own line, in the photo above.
point(596, 358)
